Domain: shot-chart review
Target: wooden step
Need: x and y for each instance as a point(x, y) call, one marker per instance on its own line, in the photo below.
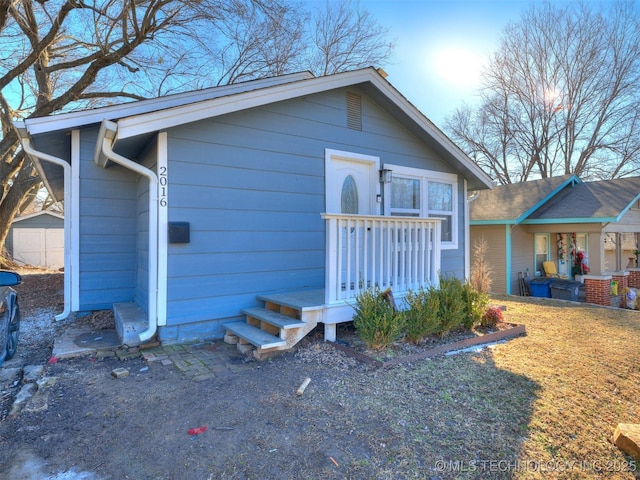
point(273, 318)
point(254, 335)
point(302, 301)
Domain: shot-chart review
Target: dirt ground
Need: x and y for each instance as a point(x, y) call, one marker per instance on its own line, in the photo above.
point(94, 426)
point(97, 427)
point(438, 418)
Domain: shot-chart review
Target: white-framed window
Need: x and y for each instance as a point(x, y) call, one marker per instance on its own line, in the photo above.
point(541, 241)
point(414, 192)
point(582, 242)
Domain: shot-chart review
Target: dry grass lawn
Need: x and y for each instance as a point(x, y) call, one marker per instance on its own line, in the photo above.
point(585, 362)
point(540, 406)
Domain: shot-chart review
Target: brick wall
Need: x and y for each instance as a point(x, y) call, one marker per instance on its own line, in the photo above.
point(598, 289)
point(634, 278)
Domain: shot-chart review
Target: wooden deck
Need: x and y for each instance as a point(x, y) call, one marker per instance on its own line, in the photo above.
point(304, 300)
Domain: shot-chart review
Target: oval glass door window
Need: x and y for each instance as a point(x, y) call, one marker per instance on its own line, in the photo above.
point(349, 196)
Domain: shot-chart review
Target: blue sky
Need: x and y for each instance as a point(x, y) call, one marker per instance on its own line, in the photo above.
point(441, 46)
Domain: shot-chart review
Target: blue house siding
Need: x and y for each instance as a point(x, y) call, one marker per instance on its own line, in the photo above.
point(251, 185)
point(453, 263)
point(246, 169)
point(107, 253)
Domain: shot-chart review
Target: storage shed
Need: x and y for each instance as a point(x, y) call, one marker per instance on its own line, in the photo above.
point(38, 240)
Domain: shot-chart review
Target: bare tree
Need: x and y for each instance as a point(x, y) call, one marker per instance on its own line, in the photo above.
point(59, 55)
point(341, 36)
point(559, 96)
point(254, 43)
point(347, 37)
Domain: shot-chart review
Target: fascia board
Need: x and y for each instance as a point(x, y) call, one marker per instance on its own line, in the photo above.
point(438, 135)
point(548, 221)
point(20, 126)
point(132, 126)
point(492, 222)
point(155, 121)
point(571, 180)
point(626, 209)
point(37, 214)
point(66, 121)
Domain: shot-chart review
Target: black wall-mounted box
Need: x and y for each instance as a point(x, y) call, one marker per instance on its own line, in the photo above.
point(179, 232)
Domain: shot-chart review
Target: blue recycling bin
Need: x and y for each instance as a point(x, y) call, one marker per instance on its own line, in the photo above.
point(541, 286)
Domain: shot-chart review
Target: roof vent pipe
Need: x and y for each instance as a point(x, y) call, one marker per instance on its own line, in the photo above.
point(104, 152)
point(23, 134)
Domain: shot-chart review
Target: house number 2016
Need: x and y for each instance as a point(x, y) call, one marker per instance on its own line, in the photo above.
point(162, 180)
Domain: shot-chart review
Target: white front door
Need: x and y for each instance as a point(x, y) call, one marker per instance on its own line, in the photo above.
point(351, 183)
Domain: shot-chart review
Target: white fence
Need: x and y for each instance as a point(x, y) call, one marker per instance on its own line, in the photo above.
point(366, 251)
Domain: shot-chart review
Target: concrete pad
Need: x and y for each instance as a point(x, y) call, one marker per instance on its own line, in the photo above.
point(76, 342)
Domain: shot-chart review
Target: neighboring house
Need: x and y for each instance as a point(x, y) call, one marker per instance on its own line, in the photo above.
point(190, 212)
point(37, 240)
point(629, 242)
point(558, 219)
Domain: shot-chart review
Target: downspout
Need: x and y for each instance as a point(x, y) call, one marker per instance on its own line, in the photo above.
point(23, 134)
point(106, 139)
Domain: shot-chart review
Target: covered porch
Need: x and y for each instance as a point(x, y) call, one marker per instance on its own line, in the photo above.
point(365, 251)
point(362, 251)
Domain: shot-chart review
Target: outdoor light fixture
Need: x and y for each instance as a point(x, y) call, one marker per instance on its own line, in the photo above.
point(385, 175)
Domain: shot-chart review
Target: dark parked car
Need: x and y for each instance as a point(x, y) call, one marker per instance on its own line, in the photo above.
point(9, 315)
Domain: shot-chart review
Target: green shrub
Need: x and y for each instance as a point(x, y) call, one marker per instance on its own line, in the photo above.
point(475, 305)
point(422, 316)
point(376, 322)
point(453, 307)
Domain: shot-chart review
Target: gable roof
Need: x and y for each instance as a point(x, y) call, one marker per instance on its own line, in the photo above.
point(137, 120)
point(69, 120)
point(602, 201)
point(556, 200)
point(514, 202)
point(38, 214)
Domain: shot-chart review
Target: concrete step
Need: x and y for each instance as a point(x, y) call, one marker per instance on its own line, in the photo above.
point(254, 335)
point(130, 321)
point(273, 318)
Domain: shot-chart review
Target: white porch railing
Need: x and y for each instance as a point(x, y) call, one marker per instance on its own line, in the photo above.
point(367, 251)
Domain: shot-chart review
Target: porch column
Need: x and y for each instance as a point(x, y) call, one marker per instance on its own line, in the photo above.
point(622, 279)
point(598, 289)
point(634, 277)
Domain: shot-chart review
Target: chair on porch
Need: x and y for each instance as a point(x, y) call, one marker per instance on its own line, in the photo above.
point(550, 269)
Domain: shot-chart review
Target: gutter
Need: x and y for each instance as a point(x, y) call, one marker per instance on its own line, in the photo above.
point(25, 140)
point(104, 152)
